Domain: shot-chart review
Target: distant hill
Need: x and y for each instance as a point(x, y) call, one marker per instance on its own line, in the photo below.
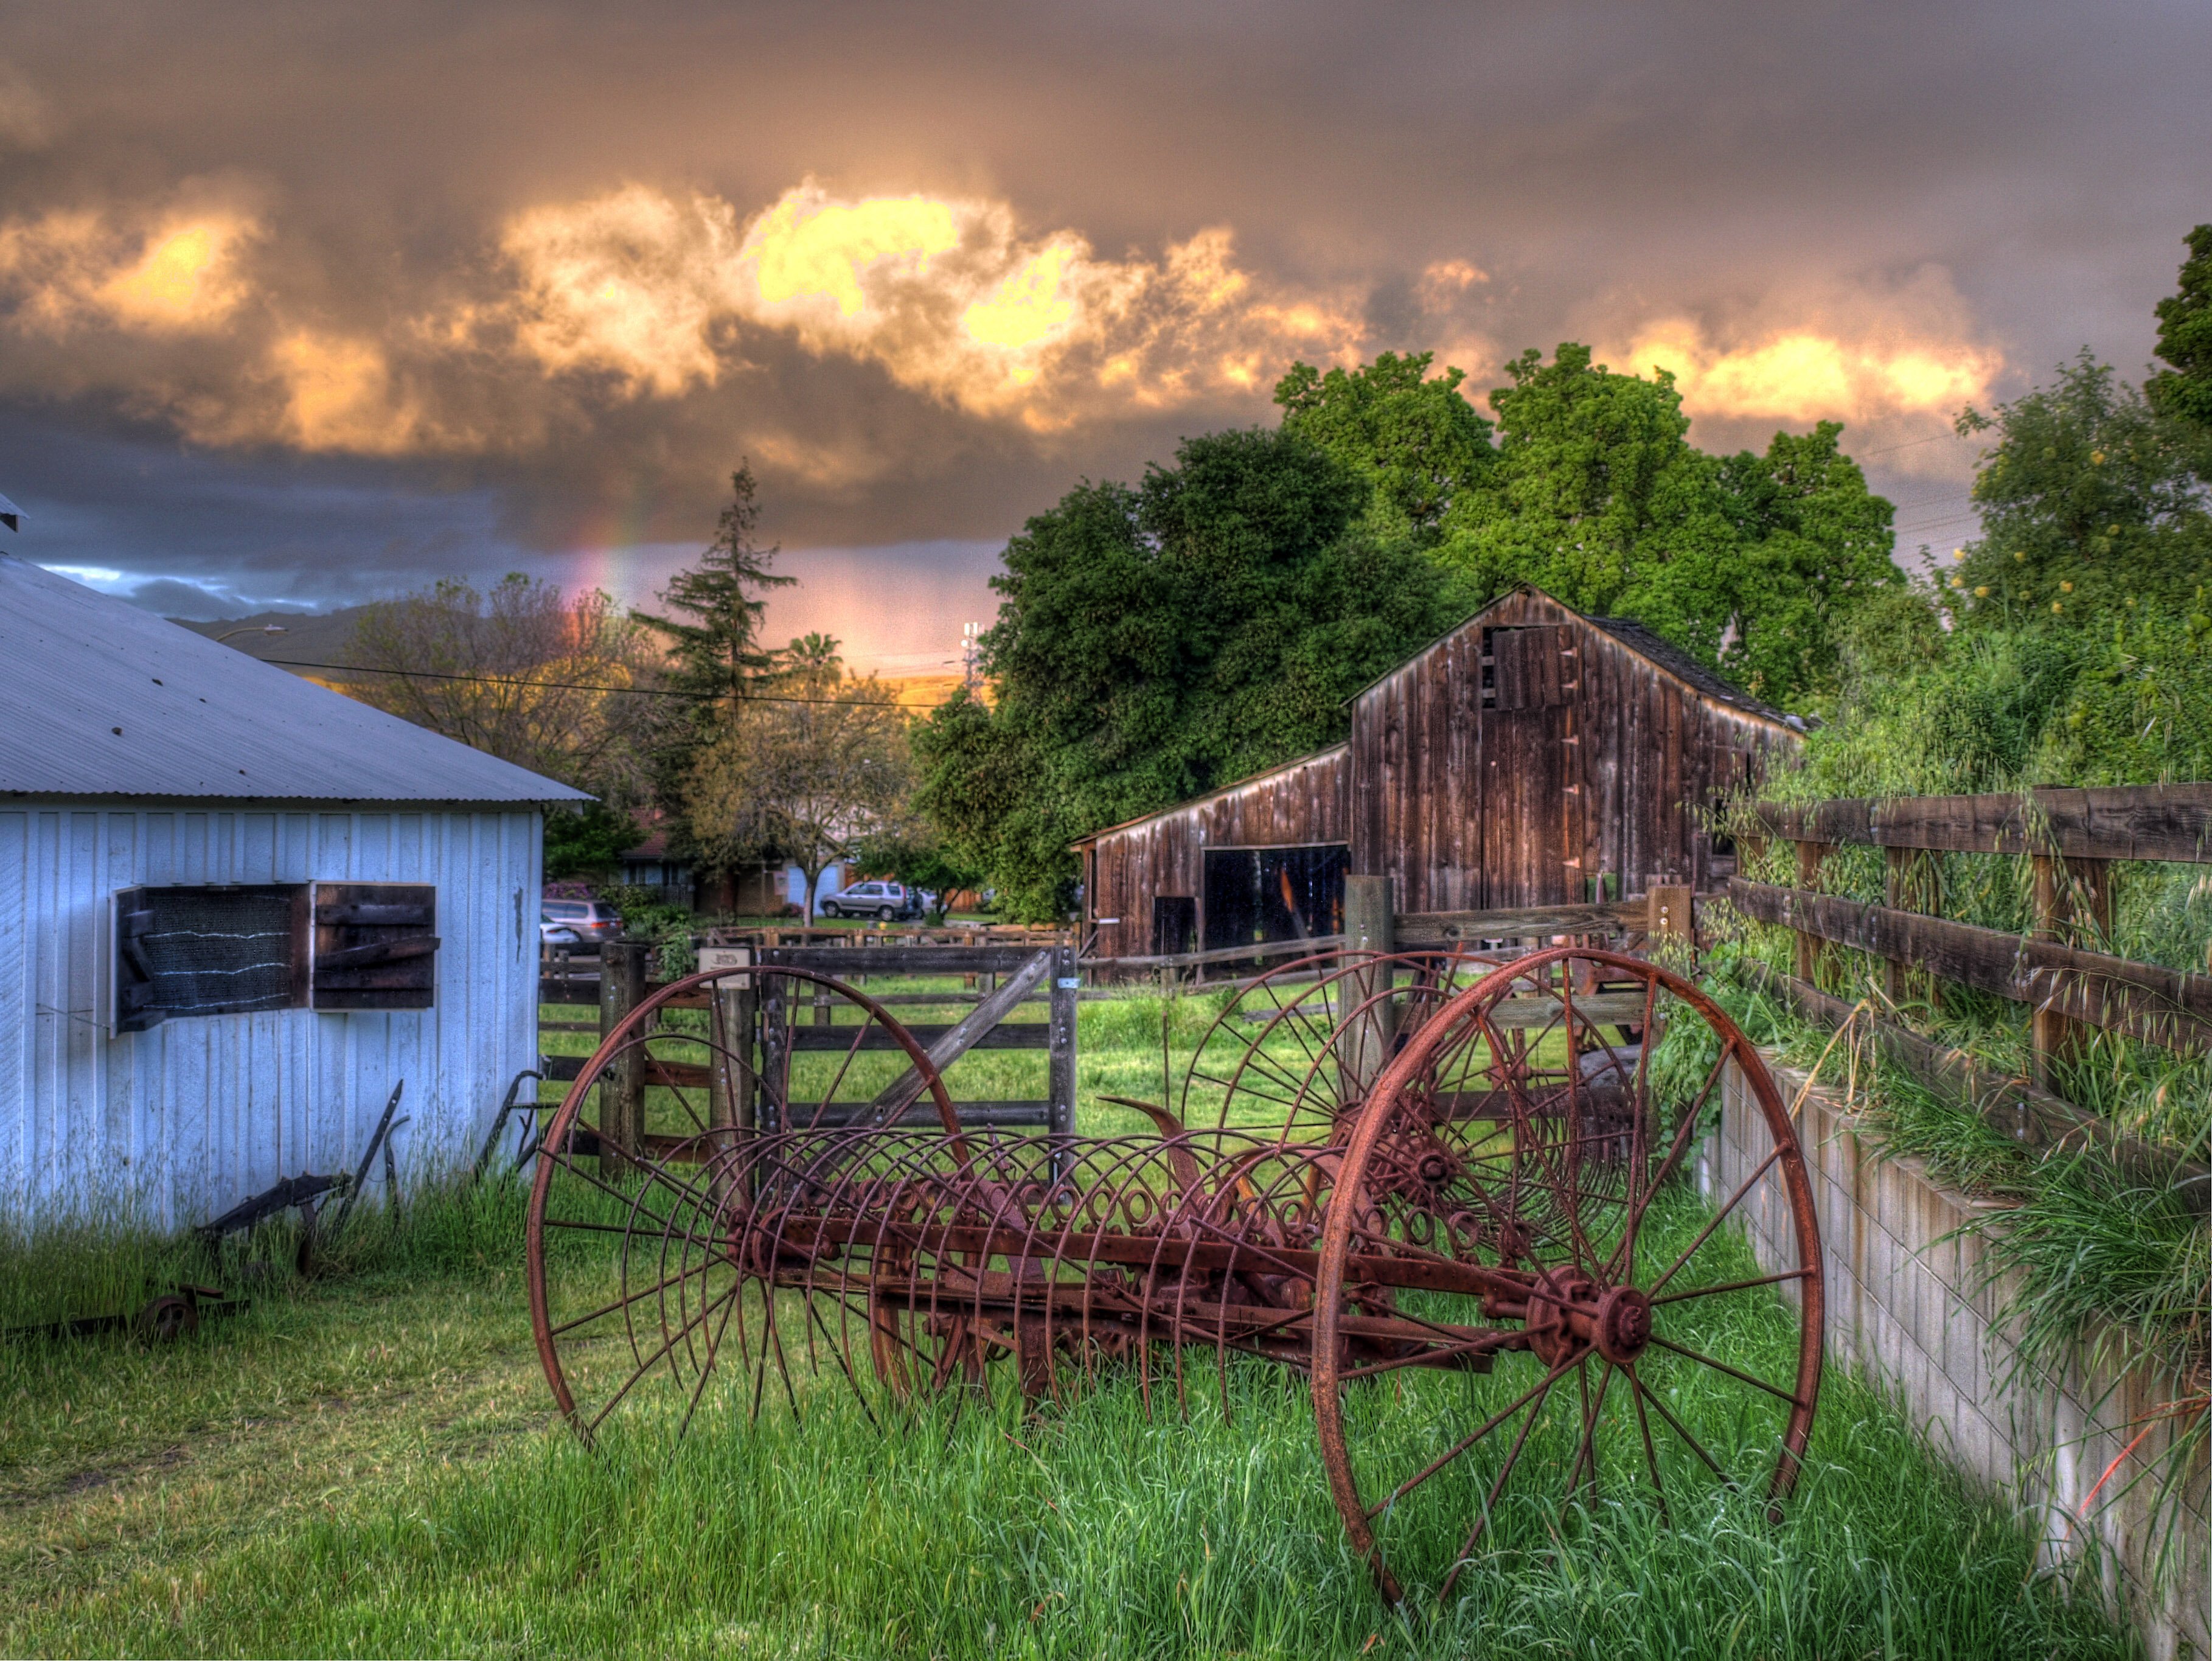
point(308, 638)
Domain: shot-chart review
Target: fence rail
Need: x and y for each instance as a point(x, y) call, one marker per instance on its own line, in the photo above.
point(2171, 822)
point(2070, 989)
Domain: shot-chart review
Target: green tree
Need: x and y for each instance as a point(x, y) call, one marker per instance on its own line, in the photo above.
point(712, 638)
point(1599, 499)
point(1813, 551)
point(1752, 564)
point(2089, 510)
point(813, 770)
point(588, 841)
point(2183, 391)
point(1415, 443)
point(1155, 642)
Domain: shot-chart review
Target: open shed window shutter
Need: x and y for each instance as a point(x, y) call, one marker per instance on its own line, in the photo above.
point(376, 946)
point(137, 1001)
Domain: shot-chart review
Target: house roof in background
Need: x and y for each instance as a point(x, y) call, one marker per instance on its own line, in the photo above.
point(101, 698)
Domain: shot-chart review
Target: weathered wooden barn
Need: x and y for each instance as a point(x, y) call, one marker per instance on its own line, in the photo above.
point(235, 909)
point(1531, 756)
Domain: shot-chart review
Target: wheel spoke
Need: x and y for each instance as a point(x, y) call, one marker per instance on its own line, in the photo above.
point(1732, 1286)
point(1718, 1218)
point(1498, 1485)
point(1541, 1386)
point(1689, 1354)
point(1676, 1426)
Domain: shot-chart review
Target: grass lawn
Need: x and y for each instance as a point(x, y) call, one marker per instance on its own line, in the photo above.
point(364, 1464)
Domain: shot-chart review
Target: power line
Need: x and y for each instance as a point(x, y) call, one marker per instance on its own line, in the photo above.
point(587, 686)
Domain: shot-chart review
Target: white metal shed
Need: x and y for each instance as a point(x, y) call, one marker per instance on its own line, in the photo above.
point(199, 993)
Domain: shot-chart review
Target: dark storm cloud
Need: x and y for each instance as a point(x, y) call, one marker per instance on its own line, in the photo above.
point(1851, 210)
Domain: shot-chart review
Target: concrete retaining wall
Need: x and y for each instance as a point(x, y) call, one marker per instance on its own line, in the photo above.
point(1909, 1301)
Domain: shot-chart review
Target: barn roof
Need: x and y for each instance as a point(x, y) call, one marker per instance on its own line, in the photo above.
point(101, 698)
point(1307, 760)
point(1665, 655)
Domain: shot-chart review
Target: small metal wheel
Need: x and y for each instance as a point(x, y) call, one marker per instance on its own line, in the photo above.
point(1540, 1134)
point(165, 1319)
point(1297, 1049)
point(720, 1095)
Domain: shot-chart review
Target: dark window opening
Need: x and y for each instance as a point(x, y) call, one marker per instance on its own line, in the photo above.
point(376, 946)
point(1263, 894)
point(208, 949)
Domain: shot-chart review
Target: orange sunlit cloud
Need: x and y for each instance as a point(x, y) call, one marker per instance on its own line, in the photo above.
point(1808, 374)
point(947, 296)
point(175, 274)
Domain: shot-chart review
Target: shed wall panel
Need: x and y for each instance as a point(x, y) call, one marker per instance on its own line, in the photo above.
point(181, 1121)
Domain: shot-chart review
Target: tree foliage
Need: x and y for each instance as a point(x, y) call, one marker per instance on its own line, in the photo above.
point(1155, 642)
point(2089, 510)
point(2183, 391)
point(712, 637)
point(1416, 443)
point(812, 764)
point(1594, 493)
point(519, 672)
point(1751, 563)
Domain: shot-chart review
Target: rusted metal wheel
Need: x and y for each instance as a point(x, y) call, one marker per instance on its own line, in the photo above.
point(1549, 1128)
point(719, 1099)
point(1297, 1049)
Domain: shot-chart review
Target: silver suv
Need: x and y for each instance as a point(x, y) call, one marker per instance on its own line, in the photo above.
point(881, 900)
point(592, 922)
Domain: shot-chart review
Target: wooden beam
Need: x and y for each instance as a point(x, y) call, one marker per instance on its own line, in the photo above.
point(2170, 822)
point(957, 1040)
point(2143, 1001)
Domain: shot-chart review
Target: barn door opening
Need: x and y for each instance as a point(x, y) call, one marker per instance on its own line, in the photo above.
point(1174, 924)
point(1258, 896)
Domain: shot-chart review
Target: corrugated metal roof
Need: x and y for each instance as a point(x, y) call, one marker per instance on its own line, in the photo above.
point(100, 698)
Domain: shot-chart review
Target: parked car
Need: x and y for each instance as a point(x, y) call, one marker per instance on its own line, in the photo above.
point(881, 900)
point(551, 933)
point(591, 921)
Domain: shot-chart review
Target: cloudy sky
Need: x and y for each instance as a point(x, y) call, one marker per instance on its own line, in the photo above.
point(302, 305)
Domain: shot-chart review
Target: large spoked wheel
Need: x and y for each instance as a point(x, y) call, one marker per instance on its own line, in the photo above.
point(1615, 1333)
point(1296, 1051)
point(653, 1253)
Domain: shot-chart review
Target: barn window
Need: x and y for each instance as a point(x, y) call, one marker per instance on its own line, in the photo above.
point(208, 949)
point(235, 949)
point(1530, 667)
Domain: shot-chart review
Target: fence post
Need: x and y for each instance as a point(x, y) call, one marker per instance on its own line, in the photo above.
point(1911, 881)
point(2072, 899)
point(1370, 924)
point(1812, 950)
point(735, 1004)
point(1066, 978)
point(1673, 916)
point(622, 1097)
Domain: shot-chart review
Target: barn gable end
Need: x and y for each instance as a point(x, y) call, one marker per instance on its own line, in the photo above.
point(1530, 757)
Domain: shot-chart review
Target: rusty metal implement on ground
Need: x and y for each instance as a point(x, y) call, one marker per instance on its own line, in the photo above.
point(1465, 1200)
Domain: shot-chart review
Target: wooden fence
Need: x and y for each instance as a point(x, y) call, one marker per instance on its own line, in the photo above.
point(792, 1018)
point(2059, 969)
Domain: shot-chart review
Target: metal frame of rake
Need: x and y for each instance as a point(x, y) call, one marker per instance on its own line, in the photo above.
point(1474, 1199)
